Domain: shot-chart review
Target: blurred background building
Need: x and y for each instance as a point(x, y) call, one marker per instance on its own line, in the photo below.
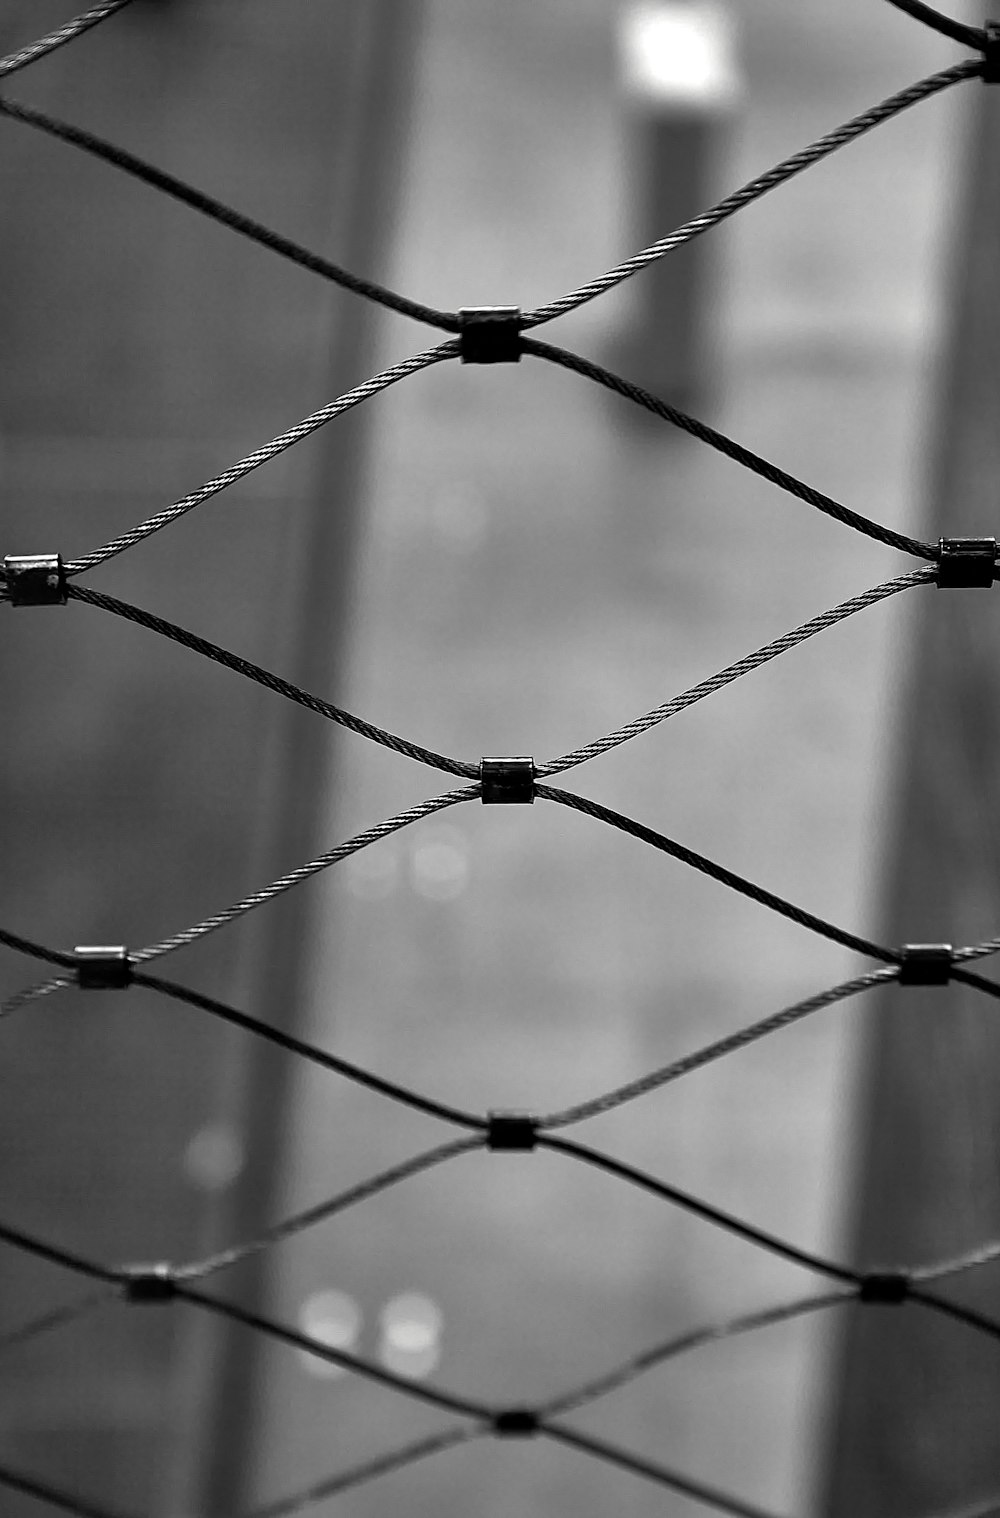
point(499, 560)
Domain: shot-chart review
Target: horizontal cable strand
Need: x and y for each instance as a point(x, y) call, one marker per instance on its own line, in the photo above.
point(263, 455)
point(735, 671)
point(59, 36)
point(271, 681)
point(208, 205)
point(804, 159)
point(733, 450)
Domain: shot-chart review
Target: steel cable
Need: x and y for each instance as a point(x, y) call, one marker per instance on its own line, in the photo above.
point(804, 159)
point(272, 682)
point(216, 210)
point(717, 440)
point(129, 1282)
point(60, 35)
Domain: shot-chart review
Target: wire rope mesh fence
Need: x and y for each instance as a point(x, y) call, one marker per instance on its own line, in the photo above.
point(492, 335)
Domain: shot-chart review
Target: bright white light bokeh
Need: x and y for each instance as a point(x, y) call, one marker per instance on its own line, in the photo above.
point(334, 1318)
point(440, 864)
point(682, 52)
point(410, 1343)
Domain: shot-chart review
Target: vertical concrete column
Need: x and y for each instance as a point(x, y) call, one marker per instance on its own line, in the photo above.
point(680, 91)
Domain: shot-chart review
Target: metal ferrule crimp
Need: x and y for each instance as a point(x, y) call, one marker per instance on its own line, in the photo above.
point(490, 334)
point(967, 561)
point(507, 782)
point(35, 579)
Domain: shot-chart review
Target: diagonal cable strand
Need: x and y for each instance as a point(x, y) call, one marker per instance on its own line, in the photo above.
point(969, 36)
point(310, 1052)
point(733, 450)
point(66, 1502)
point(270, 450)
point(36, 950)
point(718, 872)
point(804, 159)
point(56, 1255)
point(59, 36)
point(382, 1465)
point(700, 1209)
point(271, 681)
point(35, 993)
point(224, 1258)
point(419, 1391)
point(735, 671)
point(57, 1317)
point(177, 189)
point(305, 871)
point(711, 1052)
point(985, 1254)
point(957, 1310)
point(611, 1454)
point(622, 1375)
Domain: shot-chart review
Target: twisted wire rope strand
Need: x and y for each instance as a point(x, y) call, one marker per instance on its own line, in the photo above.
point(216, 210)
point(305, 872)
point(726, 445)
point(984, 1254)
point(977, 1510)
point(682, 1344)
point(652, 1470)
point(35, 993)
point(735, 671)
point(56, 1317)
point(263, 455)
point(272, 681)
point(923, 89)
point(55, 1254)
point(199, 1270)
point(706, 1055)
point(718, 872)
point(422, 1391)
point(979, 950)
point(59, 36)
point(970, 1316)
point(704, 1210)
point(36, 950)
point(30, 1486)
point(184, 1291)
point(381, 1465)
point(747, 888)
point(839, 138)
point(311, 1052)
point(437, 1396)
point(259, 898)
point(958, 31)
